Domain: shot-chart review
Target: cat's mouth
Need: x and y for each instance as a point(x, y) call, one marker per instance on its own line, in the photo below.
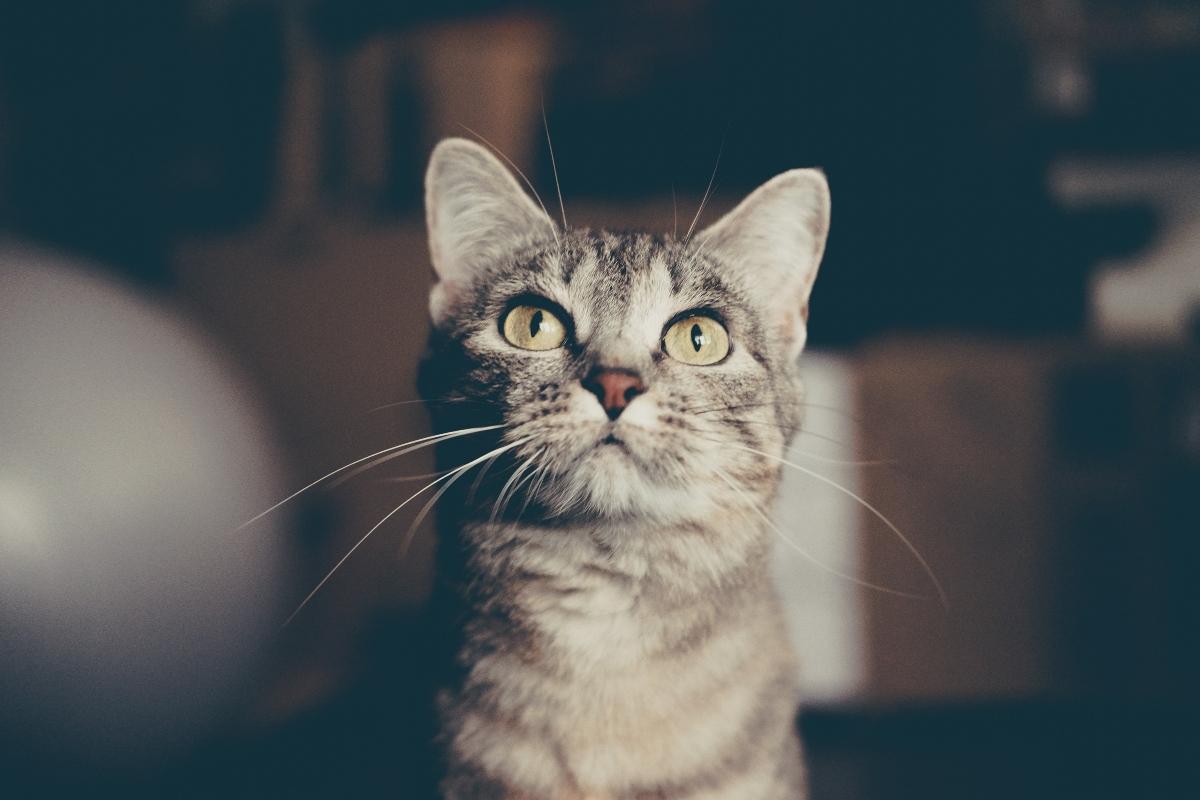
point(613, 439)
point(622, 468)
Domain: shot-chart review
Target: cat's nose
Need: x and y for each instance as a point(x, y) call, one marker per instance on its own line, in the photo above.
point(614, 388)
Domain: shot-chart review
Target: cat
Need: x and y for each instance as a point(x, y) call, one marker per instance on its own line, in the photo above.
point(617, 635)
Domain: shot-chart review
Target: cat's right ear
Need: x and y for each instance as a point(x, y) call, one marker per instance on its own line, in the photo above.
point(477, 214)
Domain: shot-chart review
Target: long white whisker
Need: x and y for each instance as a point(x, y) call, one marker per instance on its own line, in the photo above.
point(687, 237)
point(397, 403)
point(527, 482)
point(359, 543)
point(534, 481)
point(808, 404)
point(724, 407)
point(824, 438)
point(878, 514)
point(879, 462)
point(554, 166)
point(479, 478)
point(444, 401)
point(389, 515)
point(515, 482)
point(872, 462)
point(807, 555)
point(696, 253)
point(383, 460)
point(409, 478)
point(674, 214)
point(424, 512)
point(399, 449)
point(517, 170)
point(803, 431)
point(541, 479)
point(458, 473)
point(510, 482)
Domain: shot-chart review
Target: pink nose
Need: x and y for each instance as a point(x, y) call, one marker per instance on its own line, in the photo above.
point(614, 388)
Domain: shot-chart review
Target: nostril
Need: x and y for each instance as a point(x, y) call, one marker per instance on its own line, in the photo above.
point(614, 388)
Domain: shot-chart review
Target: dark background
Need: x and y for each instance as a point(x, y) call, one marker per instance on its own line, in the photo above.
point(259, 164)
point(129, 127)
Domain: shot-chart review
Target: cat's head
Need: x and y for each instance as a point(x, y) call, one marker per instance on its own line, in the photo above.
point(638, 369)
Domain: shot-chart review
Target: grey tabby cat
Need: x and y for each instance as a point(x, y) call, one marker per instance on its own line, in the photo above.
point(620, 635)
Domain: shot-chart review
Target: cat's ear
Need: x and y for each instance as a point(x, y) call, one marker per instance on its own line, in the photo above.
point(775, 238)
point(477, 214)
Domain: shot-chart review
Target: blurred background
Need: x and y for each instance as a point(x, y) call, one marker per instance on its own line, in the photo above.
point(1008, 314)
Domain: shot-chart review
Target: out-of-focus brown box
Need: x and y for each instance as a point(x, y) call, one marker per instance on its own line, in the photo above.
point(1053, 488)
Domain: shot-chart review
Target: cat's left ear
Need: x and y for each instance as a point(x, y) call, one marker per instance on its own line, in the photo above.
point(775, 238)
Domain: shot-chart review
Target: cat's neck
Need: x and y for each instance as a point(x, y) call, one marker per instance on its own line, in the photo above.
point(606, 593)
point(675, 559)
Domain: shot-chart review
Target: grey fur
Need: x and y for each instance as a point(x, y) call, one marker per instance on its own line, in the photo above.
point(621, 637)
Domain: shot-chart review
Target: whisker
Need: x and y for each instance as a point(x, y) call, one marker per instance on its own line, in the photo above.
point(825, 438)
point(535, 483)
point(425, 509)
point(397, 450)
point(423, 401)
point(807, 555)
point(803, 403)
point(389, 515)
point(807, 432)
point(510, 483)
point(382, 460)
point(877, 462)
point(441, 401)
point(731, 407)
point(554, 165)
point(832, 409)
point(458, 473)
point(545, 473)
point(674, 214)
point(695, 256)
point(479, 478)
point(517, 170)
point(708, 191)
point(411, 478)
point(876, 512)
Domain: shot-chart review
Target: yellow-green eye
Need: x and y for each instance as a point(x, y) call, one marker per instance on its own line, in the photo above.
point(697, 340)
point(533, 328)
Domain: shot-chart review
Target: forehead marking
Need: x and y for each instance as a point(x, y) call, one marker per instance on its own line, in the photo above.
point(651, 302)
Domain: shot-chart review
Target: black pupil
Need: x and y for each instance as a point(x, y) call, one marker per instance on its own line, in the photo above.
point(697, 338)
point(535, 324)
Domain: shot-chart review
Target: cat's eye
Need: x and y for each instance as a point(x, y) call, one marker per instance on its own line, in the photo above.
point(697, 340)
point(533, 328)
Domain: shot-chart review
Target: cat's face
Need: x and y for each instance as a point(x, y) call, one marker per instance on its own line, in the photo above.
point(632, 367)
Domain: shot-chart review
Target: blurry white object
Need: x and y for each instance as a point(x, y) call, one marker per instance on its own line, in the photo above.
point(131, 613)
point(824, 612)
point(1153, 295)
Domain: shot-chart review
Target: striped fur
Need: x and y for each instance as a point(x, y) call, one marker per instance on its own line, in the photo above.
point(618, 634)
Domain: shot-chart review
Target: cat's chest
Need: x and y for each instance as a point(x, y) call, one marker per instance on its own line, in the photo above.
point(589, 621)
point(617, 682)
point(619, 655)
point(622, 712)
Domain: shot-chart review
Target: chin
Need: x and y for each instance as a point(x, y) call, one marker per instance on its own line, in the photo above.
point(613, 481)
